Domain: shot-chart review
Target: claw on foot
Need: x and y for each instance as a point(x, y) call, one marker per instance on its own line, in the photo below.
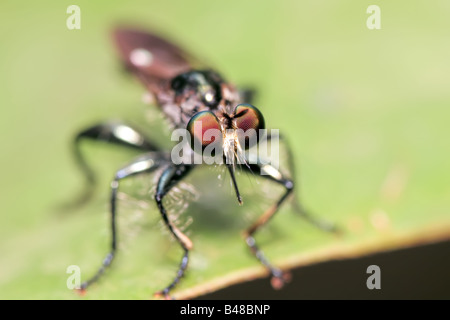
point(81, 291)
point(278, 282)
point(163, 295)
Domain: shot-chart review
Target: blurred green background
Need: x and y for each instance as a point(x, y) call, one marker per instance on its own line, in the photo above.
point(365, 110)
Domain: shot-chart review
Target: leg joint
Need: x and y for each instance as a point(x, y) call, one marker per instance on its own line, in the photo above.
point(288, 184)
point(158, 198)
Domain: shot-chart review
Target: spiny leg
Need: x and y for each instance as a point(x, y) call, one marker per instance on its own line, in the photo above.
point(113, 132)
point(143, 164)
point(167, 180)
point(319, 223)
point(269, 172)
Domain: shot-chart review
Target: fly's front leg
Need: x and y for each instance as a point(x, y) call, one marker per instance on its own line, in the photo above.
point(143, 164)
point(112, 132)
point(279, 278)
point(168, 179)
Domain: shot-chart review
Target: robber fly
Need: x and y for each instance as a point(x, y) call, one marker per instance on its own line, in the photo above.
point(187, 95)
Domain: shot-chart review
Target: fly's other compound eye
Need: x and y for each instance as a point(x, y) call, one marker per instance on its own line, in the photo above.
point(205, 130)
point(248, 120)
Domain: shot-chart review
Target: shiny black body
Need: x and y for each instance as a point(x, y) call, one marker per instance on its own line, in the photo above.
point(205, 84)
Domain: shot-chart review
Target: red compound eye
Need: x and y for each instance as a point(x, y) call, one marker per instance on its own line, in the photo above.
point(248, 121)
point(205, 130)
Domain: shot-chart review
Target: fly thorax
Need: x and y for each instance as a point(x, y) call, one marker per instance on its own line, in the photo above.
point(205, 86)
